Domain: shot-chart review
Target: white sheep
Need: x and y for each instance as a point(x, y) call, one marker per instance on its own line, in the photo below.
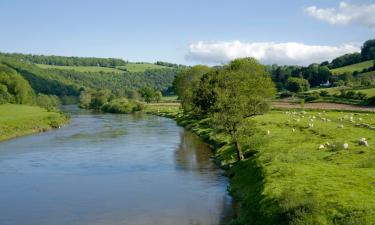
point(268, 132)
point(345, 145)
point(340, 126)
point(363, 142)
point(321, 146)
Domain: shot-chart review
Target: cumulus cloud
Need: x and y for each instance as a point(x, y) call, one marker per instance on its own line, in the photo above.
point(290, 53)
point(345, 14)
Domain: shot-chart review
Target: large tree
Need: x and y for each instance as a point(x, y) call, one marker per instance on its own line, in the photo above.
point(186, 84)
point(244, 90)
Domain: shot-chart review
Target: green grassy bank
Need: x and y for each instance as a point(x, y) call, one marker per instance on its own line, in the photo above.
point(297, 170)
point(19, 120)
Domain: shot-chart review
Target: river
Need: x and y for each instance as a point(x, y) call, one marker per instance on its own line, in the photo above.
point(104, 169)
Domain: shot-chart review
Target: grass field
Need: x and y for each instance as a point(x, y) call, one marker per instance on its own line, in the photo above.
point(18, 120)
point(82, 68)
point(336, 90)
point(287, 178)
point(354, 67)
point(140, 67)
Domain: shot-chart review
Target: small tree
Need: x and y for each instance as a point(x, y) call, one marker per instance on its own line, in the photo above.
point(244, 90)
point(157, 96)
point(296, 85)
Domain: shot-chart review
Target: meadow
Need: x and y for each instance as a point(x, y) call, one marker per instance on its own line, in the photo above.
point(96, 69)
point(18, 120)
point(301, 167)
point(140, 67)
point(354, 67)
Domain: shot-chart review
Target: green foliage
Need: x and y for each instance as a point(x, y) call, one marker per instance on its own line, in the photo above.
point(14, 88)
point(347, 59)
point(49, 102)
point(122, 105)
point(187, 83)
point(296, 85)
point(67, 61)
point(368, 50)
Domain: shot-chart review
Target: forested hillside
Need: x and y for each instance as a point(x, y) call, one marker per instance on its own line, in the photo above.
point(71, 77)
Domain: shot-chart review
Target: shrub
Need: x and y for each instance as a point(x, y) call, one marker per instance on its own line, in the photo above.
point(122, 105)
point(324, 93)
point(286, 94)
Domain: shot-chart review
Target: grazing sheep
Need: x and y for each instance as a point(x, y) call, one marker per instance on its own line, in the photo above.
point(311, 125)
point(363, 142)
point(321, 146)
point(340, 126)
point(268, 132)
point(293, 130)
point(345, 145)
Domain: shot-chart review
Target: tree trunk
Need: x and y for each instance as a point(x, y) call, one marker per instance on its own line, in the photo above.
point(239, 151)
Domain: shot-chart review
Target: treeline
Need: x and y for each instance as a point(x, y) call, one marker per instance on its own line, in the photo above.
point(127, 82)
point(228, 95)
point(64, 83)
point(15, 89)
point(287, 77)
point(173, 65)
point(67, 61)
point(41, 80)
point(107, 101)
point(367, 53)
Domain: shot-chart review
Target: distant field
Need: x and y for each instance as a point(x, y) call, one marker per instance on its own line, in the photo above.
point(18, 120)
point(82, 68)
point(336, 90)
point(140, 67)
point(354, 67)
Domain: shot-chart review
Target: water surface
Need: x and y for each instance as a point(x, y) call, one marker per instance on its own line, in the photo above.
point(112, 170)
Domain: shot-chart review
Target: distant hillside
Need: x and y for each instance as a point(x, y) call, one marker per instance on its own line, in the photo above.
point(90, 69)
point(70, 80)
point(354, 67)
point(66, 61)
point(140, 67)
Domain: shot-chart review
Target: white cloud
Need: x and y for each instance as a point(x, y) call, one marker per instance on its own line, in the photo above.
point(290, 53)
point(345, 14)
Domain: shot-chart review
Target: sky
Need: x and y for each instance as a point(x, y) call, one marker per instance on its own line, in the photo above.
point(188, 32)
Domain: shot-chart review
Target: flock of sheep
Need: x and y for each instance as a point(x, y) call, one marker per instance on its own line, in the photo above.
point(297, 116)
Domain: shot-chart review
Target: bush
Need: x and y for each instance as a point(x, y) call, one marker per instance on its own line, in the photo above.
point(296, 85)
point(324, 93)
point(122, 105)
point(371, 101)
point(286, 94)
point(312, 96)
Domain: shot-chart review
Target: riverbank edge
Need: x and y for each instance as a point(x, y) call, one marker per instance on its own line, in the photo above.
point(249, 206)
point(54, 120)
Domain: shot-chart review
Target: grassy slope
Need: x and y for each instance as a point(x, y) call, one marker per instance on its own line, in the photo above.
point(140, 67)
point(82, 68)
point(18, 120)
point(336, 90)
point(290, 180)
point(354, 67)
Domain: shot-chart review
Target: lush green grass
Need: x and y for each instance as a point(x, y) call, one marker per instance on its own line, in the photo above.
point(336, 90)
point(18, 120)
point(140, 67)
point(286, 178)
point(172, 98)
point(82, 68)
point(355, 67)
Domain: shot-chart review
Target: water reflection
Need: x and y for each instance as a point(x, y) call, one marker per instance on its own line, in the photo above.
point(111, 169)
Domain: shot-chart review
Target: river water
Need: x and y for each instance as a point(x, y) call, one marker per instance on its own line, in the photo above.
point(105, 169)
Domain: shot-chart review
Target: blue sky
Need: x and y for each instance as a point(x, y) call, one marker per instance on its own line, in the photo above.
point(186, 32)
